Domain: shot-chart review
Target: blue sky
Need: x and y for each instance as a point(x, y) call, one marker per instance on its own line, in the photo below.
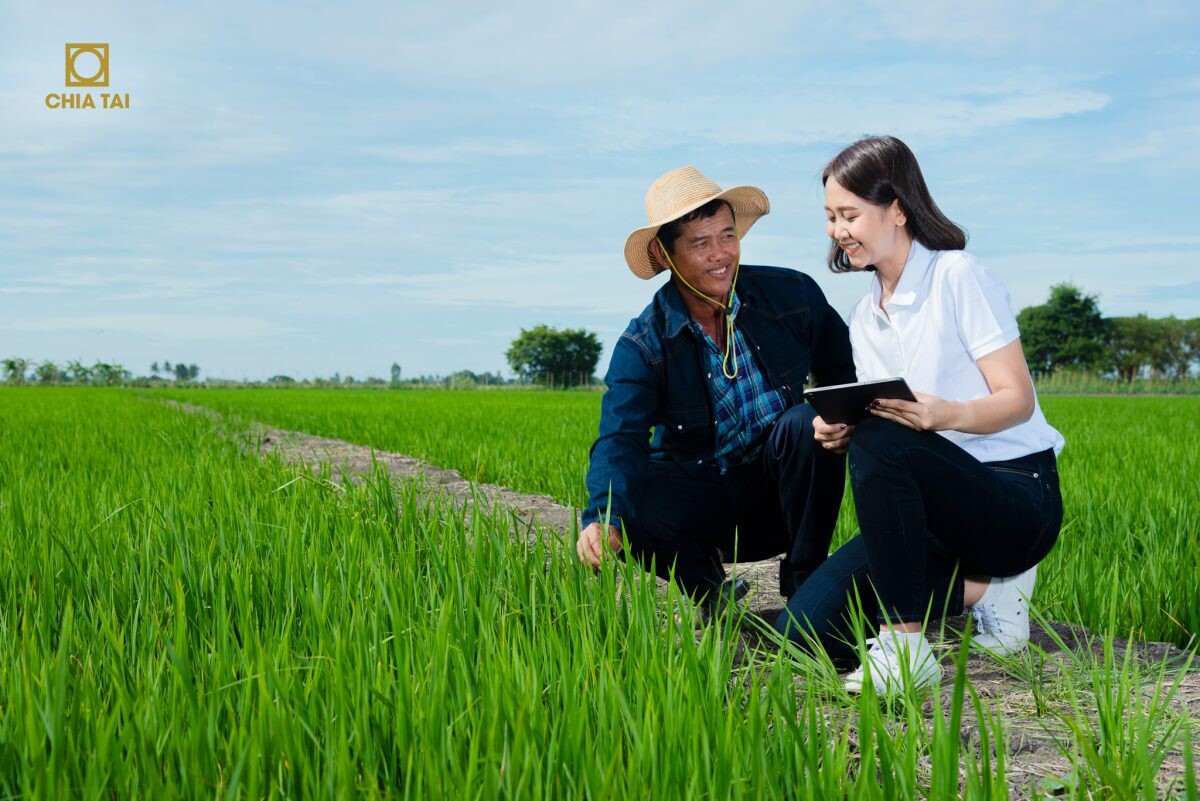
point(306, 188)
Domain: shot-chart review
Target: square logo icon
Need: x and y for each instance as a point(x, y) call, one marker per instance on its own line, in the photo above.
point(87, 64)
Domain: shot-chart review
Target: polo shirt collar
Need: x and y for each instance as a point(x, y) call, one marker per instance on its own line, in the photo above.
point(912, 278)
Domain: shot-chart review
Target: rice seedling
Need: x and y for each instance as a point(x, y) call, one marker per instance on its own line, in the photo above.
point(1124, 564)
point(181, 618)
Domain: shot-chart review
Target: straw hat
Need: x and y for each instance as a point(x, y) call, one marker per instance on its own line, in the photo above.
point(674, 195)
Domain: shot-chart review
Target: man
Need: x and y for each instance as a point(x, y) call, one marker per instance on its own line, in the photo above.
point(715, 366)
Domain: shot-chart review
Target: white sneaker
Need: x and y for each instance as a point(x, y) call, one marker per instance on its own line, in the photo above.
point(1002, 614)
point(895, 660)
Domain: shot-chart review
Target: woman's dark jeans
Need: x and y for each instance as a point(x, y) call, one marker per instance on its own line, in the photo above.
point(929, 514)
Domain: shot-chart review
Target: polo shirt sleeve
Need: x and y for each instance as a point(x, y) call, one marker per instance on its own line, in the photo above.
point(982, 307)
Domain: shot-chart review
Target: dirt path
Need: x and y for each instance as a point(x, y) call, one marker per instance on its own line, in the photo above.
point(1035, 759)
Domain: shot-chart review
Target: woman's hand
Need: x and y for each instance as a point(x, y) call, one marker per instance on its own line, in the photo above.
point(1010, 402)
point(927, 413)
point(832, 436)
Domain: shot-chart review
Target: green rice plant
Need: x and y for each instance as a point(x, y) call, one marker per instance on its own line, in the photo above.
point(1131, 536)
point(1071, 382)
point(1130, 547)
point(1121, 717)
point(182, 619)
point(530, 441)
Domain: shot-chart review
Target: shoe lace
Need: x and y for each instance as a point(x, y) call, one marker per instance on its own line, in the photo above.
point(986, 618)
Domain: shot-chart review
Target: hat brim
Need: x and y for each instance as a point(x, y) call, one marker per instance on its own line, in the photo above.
point(749, 203)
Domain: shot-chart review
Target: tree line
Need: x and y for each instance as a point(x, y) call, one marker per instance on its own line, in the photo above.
point(19, 371)
point(1068, 333)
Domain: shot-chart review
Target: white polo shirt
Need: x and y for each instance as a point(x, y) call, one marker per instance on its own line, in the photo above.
point(948, 310)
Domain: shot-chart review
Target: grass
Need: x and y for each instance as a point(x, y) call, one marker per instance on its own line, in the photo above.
point(1129, 552)
point(184, 620)
point(1125, 562)
point(531, 441)
point(1078, 383)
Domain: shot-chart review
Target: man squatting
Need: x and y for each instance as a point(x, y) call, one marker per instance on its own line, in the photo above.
point(705, 451)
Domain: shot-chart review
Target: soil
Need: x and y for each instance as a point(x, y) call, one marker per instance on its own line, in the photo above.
point(1036, 735)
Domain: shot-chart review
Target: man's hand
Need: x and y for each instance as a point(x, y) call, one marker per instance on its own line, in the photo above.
point(832, 436)
point(591, 547)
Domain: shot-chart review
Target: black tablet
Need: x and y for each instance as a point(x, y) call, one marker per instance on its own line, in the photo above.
point(847, 403)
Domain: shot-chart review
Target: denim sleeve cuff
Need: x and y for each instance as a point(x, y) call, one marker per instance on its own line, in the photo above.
point(590, 516)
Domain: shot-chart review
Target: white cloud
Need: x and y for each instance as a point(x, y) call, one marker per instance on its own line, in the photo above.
point(580, 283)
point(1167, 145)
point(169, 326)
point(818, 115)
point(458, 152)
point(1126, 282)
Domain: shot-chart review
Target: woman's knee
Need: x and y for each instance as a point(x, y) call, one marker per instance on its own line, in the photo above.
point(875, 436)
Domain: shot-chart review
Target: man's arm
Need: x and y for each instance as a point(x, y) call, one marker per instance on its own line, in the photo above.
point(832, 358)
point(622, 449)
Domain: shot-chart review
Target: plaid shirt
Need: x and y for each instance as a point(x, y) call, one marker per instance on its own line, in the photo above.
point(746, 407)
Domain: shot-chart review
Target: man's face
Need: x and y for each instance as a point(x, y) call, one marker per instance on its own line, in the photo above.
point(706, 253)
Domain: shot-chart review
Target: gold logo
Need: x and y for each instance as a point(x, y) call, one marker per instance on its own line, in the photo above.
point(87, 64)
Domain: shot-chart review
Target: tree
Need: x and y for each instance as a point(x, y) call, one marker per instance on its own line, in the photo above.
point(1131, 345)
point(395, 374)
point(1066, 332)
point(110, 375)
point(14, 370)
point(463, 379)
point(183, 372)
point(1191, 342)
point(48, 373)
point(78, 373)
point(555, 358)
point(1180, 347)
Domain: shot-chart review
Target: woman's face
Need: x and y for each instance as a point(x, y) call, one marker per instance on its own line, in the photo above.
point(868, 234)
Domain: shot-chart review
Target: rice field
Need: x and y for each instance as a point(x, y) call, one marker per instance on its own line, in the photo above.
point(180, 618)
point(1126, 563)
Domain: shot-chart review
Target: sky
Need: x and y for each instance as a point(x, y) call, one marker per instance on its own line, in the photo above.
point(315, 188)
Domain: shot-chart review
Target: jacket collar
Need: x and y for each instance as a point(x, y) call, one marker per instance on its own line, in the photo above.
point(677, 316)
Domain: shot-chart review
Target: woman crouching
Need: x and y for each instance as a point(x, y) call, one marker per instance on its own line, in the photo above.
point(957, 493)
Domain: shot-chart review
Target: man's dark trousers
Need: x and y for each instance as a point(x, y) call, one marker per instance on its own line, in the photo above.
point(786, 500)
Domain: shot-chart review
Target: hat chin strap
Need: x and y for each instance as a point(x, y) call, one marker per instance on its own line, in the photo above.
point(726, 308)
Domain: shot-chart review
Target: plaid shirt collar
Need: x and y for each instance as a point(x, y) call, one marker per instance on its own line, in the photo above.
point(744, 407)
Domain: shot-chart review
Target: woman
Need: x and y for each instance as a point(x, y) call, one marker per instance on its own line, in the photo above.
point(957, 493)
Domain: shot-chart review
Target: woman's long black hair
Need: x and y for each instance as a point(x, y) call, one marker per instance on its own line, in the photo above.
point(880, 169)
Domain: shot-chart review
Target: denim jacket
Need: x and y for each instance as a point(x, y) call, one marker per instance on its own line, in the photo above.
point(656, 379)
